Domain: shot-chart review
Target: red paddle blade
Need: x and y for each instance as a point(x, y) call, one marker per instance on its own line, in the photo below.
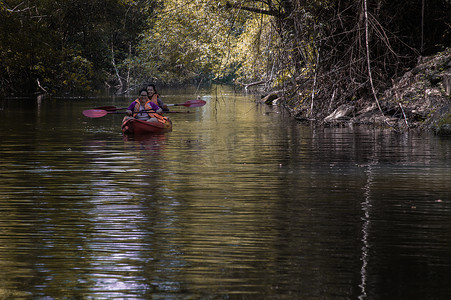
point(95, 113)
point(194, 103)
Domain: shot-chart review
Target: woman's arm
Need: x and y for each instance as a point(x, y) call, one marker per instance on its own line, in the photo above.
point(130, 108)
point(163, 106)
point(155, 107)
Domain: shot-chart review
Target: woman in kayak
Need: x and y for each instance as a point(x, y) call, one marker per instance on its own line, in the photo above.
point(154, 97)
point(144, 109)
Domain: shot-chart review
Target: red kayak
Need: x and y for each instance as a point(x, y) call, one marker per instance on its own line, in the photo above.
point(139, 127)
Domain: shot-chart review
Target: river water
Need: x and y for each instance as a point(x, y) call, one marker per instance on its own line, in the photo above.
point(237, 202)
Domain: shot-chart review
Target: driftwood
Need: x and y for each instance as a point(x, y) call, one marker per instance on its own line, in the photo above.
point(247, 85)
point(270, 98)
point(343, 111)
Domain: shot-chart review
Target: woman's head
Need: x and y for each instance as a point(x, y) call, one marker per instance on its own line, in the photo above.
point(151, 89)
point(143, 95)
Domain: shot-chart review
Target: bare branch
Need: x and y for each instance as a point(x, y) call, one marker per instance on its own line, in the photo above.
point(368, 55)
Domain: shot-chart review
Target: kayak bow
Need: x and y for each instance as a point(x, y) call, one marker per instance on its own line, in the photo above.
point(139, 127)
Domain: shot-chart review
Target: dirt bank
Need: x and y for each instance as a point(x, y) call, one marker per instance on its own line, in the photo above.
point(420, 99)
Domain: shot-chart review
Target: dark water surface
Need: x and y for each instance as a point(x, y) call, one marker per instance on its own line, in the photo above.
point(235, 203)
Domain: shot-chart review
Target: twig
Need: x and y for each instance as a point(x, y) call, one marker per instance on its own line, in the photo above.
point(422, 26)
point(368, 55)
point(331, 100)
point(40, 86)
point(314, 83)
point(115, 68)
point(405, 118)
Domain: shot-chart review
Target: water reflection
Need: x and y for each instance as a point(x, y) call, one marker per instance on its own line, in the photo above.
point(233, 203)
point(115, 243)
point(150, 142)
point(366, 227)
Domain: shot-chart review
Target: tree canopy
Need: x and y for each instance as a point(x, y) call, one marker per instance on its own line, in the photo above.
point(347, 47)
point(66, 45)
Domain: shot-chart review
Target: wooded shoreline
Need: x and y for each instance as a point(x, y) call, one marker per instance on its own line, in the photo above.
point(420, 99)
point(334, 62)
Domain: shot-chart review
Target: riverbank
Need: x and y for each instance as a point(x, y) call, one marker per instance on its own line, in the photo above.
point(421, 99)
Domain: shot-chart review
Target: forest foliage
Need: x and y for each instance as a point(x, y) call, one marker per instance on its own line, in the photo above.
point(66, 46)
point(339, 50)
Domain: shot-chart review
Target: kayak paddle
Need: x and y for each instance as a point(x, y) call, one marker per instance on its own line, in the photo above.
point(189, 103)
point(95, 113)
point(98, 113)
point(104, 110)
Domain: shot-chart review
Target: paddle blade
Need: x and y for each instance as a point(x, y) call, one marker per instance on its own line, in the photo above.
point(194, 103)
point(94, 113)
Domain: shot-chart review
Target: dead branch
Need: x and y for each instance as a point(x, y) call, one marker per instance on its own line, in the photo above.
point(368, 55)
point(41, 87)
point(247, 85)
point(403, 113)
